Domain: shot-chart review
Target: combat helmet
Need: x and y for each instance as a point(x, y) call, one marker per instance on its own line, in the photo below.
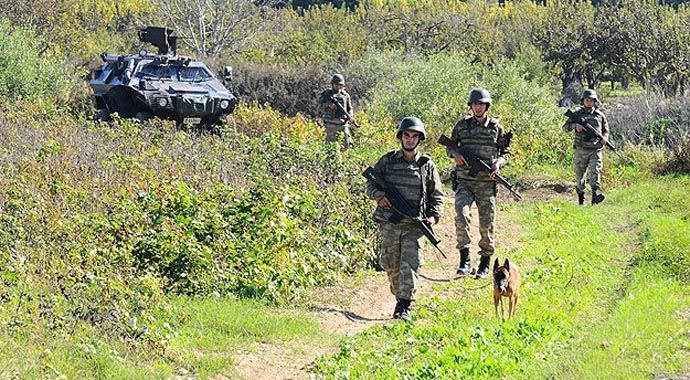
point(480, 95)
point(589, 93)
point(338, 79)
point(413, 124)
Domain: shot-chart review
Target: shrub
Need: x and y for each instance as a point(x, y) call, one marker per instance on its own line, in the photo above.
point(24, 71)
point(650, 119)
point(679, 162)
point(435, 89)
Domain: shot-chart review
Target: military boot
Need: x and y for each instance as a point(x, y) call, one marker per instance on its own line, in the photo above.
point(597, 195)
point(581, 198)
point(465, 264)
point(483, 269)
point(402, 310)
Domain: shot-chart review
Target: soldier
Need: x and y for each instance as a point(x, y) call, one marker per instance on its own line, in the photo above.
point(336, 121)
point(484, 137)
point(416, 178)
point(588, 147)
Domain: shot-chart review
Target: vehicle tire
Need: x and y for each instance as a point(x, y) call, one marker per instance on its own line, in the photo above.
point(102, 114)
point(143, 116)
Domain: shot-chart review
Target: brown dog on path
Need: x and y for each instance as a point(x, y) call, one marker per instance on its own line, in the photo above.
point(506, 284)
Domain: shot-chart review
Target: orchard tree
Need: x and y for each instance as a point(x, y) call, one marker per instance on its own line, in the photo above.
point(211, 26)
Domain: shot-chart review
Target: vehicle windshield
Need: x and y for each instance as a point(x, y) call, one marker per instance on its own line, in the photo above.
point(193, 74)
point(152, 70)
point(173, 72)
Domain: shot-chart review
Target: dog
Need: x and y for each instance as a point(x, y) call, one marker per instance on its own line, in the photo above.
point(506, 284)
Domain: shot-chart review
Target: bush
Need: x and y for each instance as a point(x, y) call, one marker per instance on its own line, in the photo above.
point(679, 163)
point(650, 119)
point(98, 222)
point(24, 71)
point(436, 89)
point(290, 89)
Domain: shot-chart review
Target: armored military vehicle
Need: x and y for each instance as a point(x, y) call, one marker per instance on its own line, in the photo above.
point(165, 85)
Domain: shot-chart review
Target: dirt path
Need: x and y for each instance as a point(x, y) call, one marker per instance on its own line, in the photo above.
point(347, 310)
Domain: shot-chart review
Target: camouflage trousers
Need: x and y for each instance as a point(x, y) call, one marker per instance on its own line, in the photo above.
point(483, 193)
point(333, 132)
point(400, 256)
point(588, 159)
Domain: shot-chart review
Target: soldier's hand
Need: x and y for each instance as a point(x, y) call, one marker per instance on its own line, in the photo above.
point(332, 106)
point(604, 141)
point(383, 202)
point(495, 170)
point(459, 159)
point(430, 221)
point(579, 128)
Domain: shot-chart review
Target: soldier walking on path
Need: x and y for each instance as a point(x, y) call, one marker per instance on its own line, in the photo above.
point(588, 147)
point(483, 137)
point(416, 178)
point(336, 121)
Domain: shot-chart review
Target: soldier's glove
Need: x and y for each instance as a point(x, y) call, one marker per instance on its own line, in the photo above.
point(430, 221)
point(495, 169)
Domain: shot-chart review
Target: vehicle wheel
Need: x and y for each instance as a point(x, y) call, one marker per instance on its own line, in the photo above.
point(102, 114)
point(143, 116)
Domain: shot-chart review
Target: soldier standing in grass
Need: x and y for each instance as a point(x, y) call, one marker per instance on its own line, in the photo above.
point(484, 137)
point(416, 178)
point(335, 120)
point(588, 147)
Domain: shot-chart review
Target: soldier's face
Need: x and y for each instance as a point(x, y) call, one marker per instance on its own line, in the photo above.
point(588, 102)
point(337, 87)
point(410, 140)
point(478, 109)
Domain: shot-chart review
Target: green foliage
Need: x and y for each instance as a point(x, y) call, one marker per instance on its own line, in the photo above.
point(24, 71)
point(435, 90)
point(205, 334)
point(679, 163)
point(581, 303)
point(100, 222)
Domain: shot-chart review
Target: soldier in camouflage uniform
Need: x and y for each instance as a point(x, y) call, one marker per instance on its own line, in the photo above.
point(336, 121)
point(588, 147)
point(416, 178)
point(484, 137)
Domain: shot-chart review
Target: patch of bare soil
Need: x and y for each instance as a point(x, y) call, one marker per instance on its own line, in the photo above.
point(352, 307)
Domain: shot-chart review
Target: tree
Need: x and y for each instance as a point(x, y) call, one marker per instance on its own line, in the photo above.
point(210, 26)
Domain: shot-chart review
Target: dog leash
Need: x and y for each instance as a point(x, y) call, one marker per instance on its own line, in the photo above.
point(432, 279)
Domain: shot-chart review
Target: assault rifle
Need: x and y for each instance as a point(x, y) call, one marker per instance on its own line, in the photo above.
point(402, 208)
point(583, 122)
point(343, 110)
point(476, 163)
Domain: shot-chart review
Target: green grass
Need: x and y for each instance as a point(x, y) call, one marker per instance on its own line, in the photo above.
point(84, 354)
point(601, 298)
point(189, 336)
point(632, 90)
point(641, 337)
point(205, 334)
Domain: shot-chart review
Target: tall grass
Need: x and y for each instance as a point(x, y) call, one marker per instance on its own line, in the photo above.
point(588, 309)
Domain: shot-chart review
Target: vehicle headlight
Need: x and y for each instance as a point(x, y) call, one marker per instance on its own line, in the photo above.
point(162, 102)
point(224, 104)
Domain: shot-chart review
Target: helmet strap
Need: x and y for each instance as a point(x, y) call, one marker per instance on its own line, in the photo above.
point(402, 145)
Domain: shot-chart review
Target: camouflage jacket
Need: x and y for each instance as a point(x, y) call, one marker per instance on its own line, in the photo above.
point(587, 139)
point(487, 141)
point(417, 181)
point(334, 116)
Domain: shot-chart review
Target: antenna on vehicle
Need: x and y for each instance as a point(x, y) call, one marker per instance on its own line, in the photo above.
point(160, 37)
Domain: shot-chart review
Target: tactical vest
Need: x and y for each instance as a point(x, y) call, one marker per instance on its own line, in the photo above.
point(588, 139)
point(480, 140)
point(341, 97)
point(410, 178)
